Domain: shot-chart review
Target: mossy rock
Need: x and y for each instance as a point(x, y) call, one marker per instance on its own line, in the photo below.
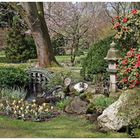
point(76, 106)
point(87, 96)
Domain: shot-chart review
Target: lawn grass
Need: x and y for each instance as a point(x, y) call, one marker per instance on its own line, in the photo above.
point(60, 127)
point(64, 58)
point(32, 62)
point(67, 58)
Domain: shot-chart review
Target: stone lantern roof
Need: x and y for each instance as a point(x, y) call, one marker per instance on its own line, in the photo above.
point(113, 54)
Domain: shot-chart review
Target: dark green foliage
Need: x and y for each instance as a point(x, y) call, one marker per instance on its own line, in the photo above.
point(13, 77)
point(19, 47)
point(6, 15)
point(94, 63)
point(30, 50)
point(58, 43)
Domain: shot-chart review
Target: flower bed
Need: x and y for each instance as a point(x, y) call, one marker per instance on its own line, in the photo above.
point(27, 111)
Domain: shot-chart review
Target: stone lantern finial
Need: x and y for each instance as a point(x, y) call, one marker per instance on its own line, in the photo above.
point(113, 44)
point(113, 54)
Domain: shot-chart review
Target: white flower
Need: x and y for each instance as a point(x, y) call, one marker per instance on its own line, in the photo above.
point(15, 112)
point(44, 104)
point(1, 105)
point(40, 108)
point(17, 107)
point(47, 110)
point(34, 101)
point(21, 108)
point(19, 101)
point(27, 107)
point(34, 105)
point(14, 102)
point(51, 107)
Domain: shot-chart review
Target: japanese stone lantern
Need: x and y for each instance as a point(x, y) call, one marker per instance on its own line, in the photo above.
point(112, 57)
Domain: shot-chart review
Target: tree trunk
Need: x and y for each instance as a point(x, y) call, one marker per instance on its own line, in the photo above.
point(74, 50)
point(36, 22)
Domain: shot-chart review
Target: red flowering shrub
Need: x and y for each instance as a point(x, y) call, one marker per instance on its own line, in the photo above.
point(129, 69)
point(127, 36)
point(134, 11)
point(127, 30)
point(124, 20)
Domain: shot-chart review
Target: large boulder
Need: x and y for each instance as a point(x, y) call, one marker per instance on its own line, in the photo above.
point(122, 112)
point(76, 106)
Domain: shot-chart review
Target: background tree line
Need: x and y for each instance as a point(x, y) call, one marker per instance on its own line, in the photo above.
point(69, 25)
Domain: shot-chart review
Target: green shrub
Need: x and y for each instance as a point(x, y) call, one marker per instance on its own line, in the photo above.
point(57, 79)
point(19, 47)
point(100, 104)
point(13, 77)
point(62, 104)
point(103, 102)
point(12, 93)
point(94, 63)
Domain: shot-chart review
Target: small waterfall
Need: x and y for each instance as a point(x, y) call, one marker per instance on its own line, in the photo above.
point(34, 90)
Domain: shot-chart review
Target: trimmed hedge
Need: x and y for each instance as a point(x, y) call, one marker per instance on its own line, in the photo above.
point(13, 77)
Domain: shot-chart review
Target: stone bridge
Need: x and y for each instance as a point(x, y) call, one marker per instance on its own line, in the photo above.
point(38, 79)
point(39, 75)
